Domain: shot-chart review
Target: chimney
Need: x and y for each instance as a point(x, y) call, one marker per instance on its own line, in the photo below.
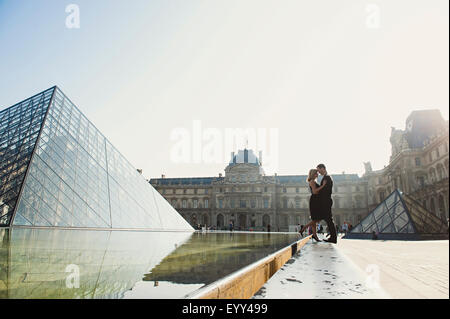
point(232, 157)
point(163, 176)
point(260, 157)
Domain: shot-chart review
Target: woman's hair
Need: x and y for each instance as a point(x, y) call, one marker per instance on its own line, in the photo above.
point(311, 174)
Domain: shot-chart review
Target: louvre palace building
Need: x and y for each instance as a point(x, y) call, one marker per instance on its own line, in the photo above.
point(418, 165)
point(251, 200)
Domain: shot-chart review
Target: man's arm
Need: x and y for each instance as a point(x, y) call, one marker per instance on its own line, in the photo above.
point(329, 183)
point(316, 190)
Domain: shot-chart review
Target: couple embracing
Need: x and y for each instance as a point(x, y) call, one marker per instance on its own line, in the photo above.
point(320, 203)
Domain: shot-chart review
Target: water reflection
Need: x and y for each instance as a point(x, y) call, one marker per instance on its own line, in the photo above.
point(38, 263)
point(211, 256)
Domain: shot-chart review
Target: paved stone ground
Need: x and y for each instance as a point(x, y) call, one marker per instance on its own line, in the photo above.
point(407, 269)
point(363, 269)
point(320, 270)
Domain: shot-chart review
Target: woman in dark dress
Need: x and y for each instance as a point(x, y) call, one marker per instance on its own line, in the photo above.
point(314, 203)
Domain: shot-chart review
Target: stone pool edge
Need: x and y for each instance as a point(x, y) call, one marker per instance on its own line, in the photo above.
point(244, 283)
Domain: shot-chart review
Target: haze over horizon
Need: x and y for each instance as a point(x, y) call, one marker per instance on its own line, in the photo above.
point(326, 81)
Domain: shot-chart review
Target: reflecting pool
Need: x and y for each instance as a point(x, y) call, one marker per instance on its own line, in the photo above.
point(56, 263)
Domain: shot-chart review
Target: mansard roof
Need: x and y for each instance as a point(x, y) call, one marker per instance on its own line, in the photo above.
point(244, 156)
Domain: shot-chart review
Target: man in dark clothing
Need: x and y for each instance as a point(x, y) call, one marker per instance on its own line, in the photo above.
point(327, 202)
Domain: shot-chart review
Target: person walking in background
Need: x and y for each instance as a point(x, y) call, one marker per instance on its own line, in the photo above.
point(345, 228)
point(315, 209)
point(319, 228)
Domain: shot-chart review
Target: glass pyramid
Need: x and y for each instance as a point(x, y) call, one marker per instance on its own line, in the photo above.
point(399, 217)
point(58, 170)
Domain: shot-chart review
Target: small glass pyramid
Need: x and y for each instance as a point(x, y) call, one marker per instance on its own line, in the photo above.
point(399, 217)
point(58, 170)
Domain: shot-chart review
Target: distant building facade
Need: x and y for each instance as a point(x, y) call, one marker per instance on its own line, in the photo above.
point(419, 167)
point(252, 200)
point(418, 164)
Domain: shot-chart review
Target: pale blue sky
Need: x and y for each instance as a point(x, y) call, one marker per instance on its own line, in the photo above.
point(314, 70)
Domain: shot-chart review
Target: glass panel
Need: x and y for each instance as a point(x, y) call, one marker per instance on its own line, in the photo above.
point(397, 210)
point(401, 221)
point(19, 129)
point(389, 229)
point(408, 229)
point(380, 211)
point(367, 222)
point(384, 221)
point(392, 199)
point(371, 228)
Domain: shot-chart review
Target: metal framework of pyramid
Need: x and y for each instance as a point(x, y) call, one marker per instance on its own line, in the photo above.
point(58, 170)
point(400, 217)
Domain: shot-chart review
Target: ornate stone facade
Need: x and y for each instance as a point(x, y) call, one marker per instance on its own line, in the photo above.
point(418, 165)
point(252, 200)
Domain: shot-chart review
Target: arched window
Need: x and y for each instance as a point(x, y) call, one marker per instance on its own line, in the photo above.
point(446, 168)
point(358, 202)
point(266, 220)
point(421, 181)
point(432, 174)
point(285, 202)
point(297, 202)
point(336, 202)
point(266, 202)
point(220, 221)
point(381, 195)
point(284, 220)
point(440, 172)
point(432, 206)
point(441, 206)
point(205, 220)
point(418, 161)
